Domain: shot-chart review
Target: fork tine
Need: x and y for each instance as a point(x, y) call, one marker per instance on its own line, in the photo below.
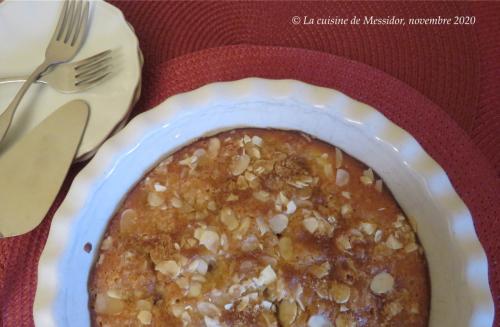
point(93, 79)
point(106, 61)
point(82, 25)
point(83, 63)
point(75, 19)
point(61, 21)
point(67, 21)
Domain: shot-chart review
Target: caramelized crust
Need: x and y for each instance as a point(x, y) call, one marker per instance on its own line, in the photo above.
point(260, 228)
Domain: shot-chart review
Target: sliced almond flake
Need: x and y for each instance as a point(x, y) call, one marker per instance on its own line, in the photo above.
point(367, 178)
point(145, 317)
point(115, 294)
point(246, 139)
point(393, 243)
point(338, 158)
point(320, 271)
point(267, 276)
point(411, 247)
point(228, 306)
point(345, 210)
point(340, 292)
point(278, 223)
point(342, 177)
point(343, 243)
point(177, 246)
point(262, 196)
point(291, 207)
point(232, 197)
point(176, 202)
point(257, 140)
point(287, 312)
point(318, 321)
point(159, 187)
point(209, 322)
point(228, 218)
point(211, 206)
point(208, 309)
point(310, 224)
point(239, 164)
point(262, 226)
point(199, 266)
point(210, 240)
point(328, 170)
point(254, 152)
point(346, 194)
point(169, 268)
point(343, 308)
point(368, 228)
point(286, 248)
point(382, 283)
point(413, 223)
point(107, 243)
point(144, 305)
point(194, 289)
point(378, 185)
point(213, 147)
point(155, 199)
point(267, 305)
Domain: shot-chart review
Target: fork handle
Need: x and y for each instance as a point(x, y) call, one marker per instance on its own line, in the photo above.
point(8, 114)
point(18, 79)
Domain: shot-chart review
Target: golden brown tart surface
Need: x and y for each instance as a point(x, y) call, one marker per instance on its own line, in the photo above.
point(260, 228)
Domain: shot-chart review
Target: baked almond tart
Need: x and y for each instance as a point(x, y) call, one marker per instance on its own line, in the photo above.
point(256, 227)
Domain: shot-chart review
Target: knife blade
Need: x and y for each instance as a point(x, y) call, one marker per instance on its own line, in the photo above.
point(33, 170)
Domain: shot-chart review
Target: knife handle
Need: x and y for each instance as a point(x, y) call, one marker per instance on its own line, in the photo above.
point(8, 114)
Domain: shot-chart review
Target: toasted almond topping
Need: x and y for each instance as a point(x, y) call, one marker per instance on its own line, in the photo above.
point(393, 243)
point(343, 243)
point(194, 289)
point(262, 196)
point(209, 322)
point(257, 140)
point(291, 207)
point(239, 164)
point(378, 185)
point(107, 305)
point(127, 220)
point(382, 283)
point(346, 194)
point(278, 223)
point(115, 294)
point(262, 226)
point(378, 236)
point(344, 321)
point(318, 321)
point(144, 305)
point(345, 210)
point(287, 312)
point(267, 276)
point(169, 268)
point(210, 240)
point(286, 248)
point(176, 202)
point(411, 247)
point(328, 170)
point(145, 317)
point(368, 228)
point(340, 292)
point(232, 197)
point(211, 206)
point(155, 199)
point(322, 270)
point(311, 224)
point(338, 158)
point(208, 309)
point(342, 177)
point(228, 218)
point(107, 243)
point(367, 178)
point(160, 188)
point(213, 147)
point(198, 265)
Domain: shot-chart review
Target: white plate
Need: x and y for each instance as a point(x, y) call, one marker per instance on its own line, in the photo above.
point(25, 30)
point(457, 263)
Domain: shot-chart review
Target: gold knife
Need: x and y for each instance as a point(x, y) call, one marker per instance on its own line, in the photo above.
point(33, 170)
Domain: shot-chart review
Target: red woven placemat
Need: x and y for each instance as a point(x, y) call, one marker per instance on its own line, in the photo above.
point(461, 77)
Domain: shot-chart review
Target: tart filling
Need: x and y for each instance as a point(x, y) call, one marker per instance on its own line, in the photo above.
point(258, 227)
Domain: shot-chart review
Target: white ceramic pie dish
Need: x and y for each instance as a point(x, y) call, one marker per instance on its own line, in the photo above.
point(457, 263)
